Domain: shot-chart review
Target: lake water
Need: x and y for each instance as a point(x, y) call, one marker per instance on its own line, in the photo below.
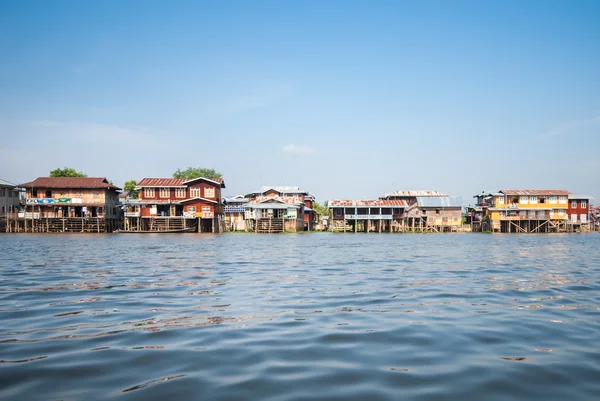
point(300, 317)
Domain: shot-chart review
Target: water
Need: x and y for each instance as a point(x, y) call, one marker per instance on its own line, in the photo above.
point(300, 317)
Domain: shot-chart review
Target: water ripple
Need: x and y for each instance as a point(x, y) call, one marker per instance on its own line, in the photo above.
point(300, 317)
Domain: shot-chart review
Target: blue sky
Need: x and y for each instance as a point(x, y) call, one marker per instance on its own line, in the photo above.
point(346, 99)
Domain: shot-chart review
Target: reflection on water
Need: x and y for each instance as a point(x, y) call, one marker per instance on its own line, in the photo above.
point(292, 317)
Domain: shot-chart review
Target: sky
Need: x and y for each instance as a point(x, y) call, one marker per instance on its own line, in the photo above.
point(345, 99)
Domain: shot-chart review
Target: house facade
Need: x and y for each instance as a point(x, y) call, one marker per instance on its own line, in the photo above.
point(10, 198)
point(377, 215)
point(429, 210)
point(578, 212)
point(69, 204)
point(276, 209)
point(235, 213)
point(168, 204)
point(523, 211)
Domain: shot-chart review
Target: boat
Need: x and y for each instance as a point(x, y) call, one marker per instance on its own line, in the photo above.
point(176, 231)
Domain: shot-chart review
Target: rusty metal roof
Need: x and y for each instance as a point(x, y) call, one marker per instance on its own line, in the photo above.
point(534, 192)
point(367, 203)
point(70, 182)
point(416, 193)
point(174, 182)
point(162, 182)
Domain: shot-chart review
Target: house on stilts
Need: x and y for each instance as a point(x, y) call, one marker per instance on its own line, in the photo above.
point(174, 204)
point(521, 211)
point(276, 209)
point(68, 204)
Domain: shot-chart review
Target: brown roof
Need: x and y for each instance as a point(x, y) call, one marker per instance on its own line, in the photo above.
point(534, 192)
point(173, 182)
point(367, 203)
point(161, 182)
point(70, 182)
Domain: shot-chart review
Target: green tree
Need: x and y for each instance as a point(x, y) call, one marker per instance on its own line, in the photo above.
point(129, 188)
point(66, 172)
point(191, 173)
point(323, 210)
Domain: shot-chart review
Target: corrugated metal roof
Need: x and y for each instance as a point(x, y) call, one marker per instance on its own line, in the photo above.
point(416, 193)
point(282, 189)
point(534, 192)
point(161, 182)
point(7, 184)
point(70, 182)
point(271, 206)
point(576, 196)
point(441, 201)
point(488, 193)
point(237, 200)
point(367, 203)
point(173, 182)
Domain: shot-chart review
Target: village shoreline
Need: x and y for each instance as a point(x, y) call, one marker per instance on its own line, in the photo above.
point(196, 205)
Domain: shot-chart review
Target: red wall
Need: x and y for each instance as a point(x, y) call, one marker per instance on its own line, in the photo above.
point(578, 210)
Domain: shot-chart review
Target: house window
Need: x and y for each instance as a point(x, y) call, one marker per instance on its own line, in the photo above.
point(424, 211)
point(560, 212)
point(533, 200)
point(501, 200)
point(148, 192)
point(542, 199)
point(34, 193)
point(437, 211)
point(48, 194)
point(195, 192)
point(338, 211)
point(553, 199)
point(96, 194)
point(583, 204)
point(10, 193)
point(163, 192)
point(3, 210)
point(209, 193)
point(523, 199)
point(205, 209)
point(562, 199)
point(180, 193)
point(573, 204)
point(191, 209)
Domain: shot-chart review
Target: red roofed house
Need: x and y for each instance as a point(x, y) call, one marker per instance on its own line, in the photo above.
point(69, 204)
point(167, 204)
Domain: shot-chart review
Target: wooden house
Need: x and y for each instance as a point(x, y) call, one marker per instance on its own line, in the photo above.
point(168, 204)
point(234, 213)
point(435, 213)
point(578, 213)
point(69, 204)
point(378, 215)
point(523, 211)
point(10, 197)
point(429, 210)
point(276, 209)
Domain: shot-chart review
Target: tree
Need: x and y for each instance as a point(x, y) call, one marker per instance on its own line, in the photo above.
point(322, 210)
point(66, 172)
point(191, 173)
point(129, 188)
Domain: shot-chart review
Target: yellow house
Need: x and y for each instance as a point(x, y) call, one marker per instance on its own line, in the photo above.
point(524, 211)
